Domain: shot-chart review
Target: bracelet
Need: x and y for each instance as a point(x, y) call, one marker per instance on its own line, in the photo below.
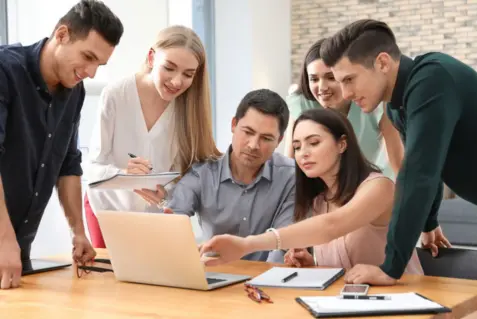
point(277, 236)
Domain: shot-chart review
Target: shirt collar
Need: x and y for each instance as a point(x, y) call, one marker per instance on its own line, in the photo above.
point(226, 174)
point(405, 67)
point(34, 52)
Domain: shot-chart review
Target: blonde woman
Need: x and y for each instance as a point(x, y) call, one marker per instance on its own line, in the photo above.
point(161, 115)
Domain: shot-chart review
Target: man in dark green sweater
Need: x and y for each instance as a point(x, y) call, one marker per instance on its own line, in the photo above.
point(432, 101)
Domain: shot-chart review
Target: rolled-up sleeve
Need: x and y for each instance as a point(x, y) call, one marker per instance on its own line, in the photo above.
point(4, 102)
point(186, 197)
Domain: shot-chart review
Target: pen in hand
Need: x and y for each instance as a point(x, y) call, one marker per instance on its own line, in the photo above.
point(290, 277)
point(131, 155)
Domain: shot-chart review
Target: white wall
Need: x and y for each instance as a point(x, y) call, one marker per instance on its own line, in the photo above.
point(180, 12)
point(252, 51)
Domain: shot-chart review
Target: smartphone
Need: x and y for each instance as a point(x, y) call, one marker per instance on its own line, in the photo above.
point(354, 290)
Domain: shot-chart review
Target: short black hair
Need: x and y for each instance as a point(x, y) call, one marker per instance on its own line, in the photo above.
point(361, 42)
point(89, 15)
point(313, 54)
point(267, 102)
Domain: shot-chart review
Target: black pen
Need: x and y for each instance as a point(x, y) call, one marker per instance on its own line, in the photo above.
point(131, 155)
point(290, 277)
point(366, 297)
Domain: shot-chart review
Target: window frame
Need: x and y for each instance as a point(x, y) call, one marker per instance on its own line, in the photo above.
point(203, 23)
point(3, 22)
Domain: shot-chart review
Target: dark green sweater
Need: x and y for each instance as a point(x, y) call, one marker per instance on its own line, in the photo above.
point(434, 107)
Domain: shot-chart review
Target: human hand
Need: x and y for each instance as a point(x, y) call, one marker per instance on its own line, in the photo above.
point(368, 274)
point(138, 166)
point(83, 251)
point(299, 257)
point(10, 261)
point(433, 240)
point(152, 197)
point(225, 248)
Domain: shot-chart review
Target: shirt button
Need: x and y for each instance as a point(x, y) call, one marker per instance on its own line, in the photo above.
point(36, 194)
point(49, 135)
point(26, 221)
point(49, 106)
point(42, 165)
point(38, 88)
point(245, 218)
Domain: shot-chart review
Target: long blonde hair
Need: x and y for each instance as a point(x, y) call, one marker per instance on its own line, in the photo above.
point(193, 114)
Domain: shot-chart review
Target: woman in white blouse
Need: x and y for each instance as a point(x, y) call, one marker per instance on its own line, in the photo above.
point(161, 114)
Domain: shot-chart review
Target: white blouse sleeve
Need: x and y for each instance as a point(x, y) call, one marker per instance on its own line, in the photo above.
point(100, 153)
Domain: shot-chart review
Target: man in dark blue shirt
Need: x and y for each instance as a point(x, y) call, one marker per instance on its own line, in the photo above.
point(41, 96)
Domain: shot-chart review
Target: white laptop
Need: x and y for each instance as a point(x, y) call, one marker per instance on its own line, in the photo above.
point(157, 249)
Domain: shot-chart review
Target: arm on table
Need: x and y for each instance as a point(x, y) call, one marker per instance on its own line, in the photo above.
point(432, 115)
point(70, 196)
point(372, 199)
point(10, 261)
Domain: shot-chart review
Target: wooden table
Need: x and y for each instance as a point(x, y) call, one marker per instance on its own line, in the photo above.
point(60, 294)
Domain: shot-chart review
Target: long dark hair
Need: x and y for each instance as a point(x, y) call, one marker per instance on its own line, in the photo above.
point(354, 167)
point(313, 54)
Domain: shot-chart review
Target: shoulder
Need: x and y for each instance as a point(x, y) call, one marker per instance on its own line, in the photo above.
point(13, 53)
point(13, 59)
point(428, 66)
point(297, 103)
point(117, 93)
point(379, 181)
point(282, 165)
point(120, 87)
point(206, 167)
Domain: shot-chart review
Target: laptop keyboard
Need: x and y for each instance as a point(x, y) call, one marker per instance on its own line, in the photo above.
point(211, 281)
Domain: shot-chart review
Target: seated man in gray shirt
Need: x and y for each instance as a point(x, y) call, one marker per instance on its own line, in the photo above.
point(251, 188)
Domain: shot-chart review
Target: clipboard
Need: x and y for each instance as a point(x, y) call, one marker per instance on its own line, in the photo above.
point(132, 181)
point(400, 304)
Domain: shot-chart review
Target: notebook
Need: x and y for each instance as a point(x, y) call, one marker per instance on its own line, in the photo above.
point(131, 181)
point(398, 304)
point(307, 278)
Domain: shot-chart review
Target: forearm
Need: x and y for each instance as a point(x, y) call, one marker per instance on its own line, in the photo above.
point(6, 227)
point(299, 235)
point(70, 195)
point(411, 210)
point(432, 222)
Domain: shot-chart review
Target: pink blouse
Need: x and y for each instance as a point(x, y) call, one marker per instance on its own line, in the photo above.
point(365, 245)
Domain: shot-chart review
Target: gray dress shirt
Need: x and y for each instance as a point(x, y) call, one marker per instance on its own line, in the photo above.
point(225, 206)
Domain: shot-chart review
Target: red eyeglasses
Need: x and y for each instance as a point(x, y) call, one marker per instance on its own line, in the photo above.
point(257, 294)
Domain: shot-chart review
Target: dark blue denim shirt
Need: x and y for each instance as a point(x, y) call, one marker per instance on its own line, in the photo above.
point(38, 137)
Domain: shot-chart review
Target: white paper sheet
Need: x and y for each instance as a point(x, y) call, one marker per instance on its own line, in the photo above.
point(307, 277)
point(398, 302)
